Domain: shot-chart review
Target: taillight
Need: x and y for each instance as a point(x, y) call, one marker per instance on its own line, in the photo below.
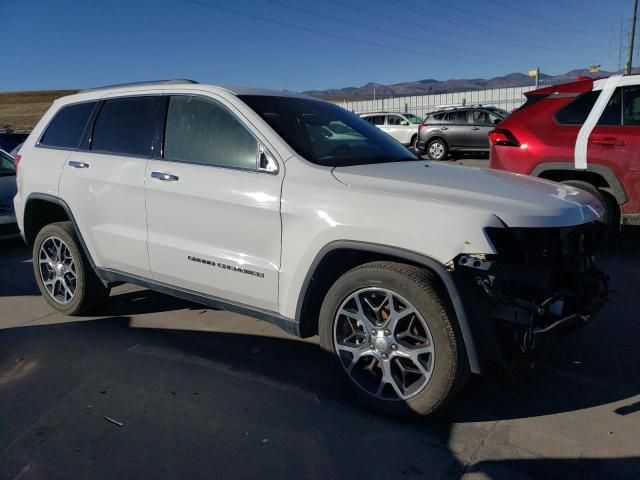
point(503, 138)
point(16, 161)
point(422, 125)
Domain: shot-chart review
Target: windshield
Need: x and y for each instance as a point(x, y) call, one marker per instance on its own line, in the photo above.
point(6, 165)
point(413, 118)
point(327, 134)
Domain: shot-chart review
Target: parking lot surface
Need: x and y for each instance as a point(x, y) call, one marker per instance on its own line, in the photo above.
point(155, 387)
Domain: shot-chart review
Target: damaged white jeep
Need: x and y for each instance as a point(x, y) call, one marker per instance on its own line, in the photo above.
point(297, 212)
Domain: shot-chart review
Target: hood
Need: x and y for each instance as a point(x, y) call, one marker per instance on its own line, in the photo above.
point(518, 200)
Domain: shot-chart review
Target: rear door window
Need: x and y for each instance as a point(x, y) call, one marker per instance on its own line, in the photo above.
point(6, 165)
point(577, 111)
point(201, 131)
point(458, 118)
point(127, 125)
point(67, 126)
point(375, 119)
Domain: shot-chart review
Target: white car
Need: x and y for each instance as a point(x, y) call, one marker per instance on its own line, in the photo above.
point(410, 271)
point(401, 126)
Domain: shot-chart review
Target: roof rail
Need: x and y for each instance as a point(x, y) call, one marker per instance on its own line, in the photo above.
point(455, 107)
point(138, 84)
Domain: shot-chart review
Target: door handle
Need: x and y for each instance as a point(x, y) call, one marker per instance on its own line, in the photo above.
point(75, 164)
point(475, 128)
point(444, 128)
point(165, 177)
point(609, 142)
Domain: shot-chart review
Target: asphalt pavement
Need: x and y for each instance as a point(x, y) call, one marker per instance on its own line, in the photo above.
point(156, 388)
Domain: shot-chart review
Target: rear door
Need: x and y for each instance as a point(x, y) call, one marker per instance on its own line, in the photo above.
point(615, 142)
point(456, 129)
point(103, 182)
point(213, 205)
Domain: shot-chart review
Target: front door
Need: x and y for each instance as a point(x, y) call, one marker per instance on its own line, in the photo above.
point(213, 213)
point(397, 128)
point(482, 122)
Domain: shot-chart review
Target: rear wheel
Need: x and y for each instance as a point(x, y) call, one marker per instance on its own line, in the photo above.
point(63, 274)
point(437, 149)
point(611, 217)
point(392, 340)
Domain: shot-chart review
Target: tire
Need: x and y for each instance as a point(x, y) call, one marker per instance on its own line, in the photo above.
point(611, 218)
point(433, 327)
point(62, 259)
point(437, 149)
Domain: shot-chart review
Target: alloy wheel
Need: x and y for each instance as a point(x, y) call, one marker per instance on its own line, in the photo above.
point(436, 150)
point(57, 270)
point(384, 344)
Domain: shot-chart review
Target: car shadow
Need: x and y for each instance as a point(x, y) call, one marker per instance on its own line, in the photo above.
point(566, 380)
point(588, 370)
point(291, 390)
point(16, 269)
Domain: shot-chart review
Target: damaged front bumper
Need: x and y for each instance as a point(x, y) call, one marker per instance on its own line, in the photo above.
point(542, 282)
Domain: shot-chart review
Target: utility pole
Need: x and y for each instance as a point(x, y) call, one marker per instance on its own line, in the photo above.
point(633, 37)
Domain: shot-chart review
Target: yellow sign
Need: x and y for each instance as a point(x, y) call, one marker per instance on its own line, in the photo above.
point(533, 73)
point(594, 68)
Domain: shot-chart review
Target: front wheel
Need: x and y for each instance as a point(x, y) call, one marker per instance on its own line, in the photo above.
point(63, 274)
point(392, 339)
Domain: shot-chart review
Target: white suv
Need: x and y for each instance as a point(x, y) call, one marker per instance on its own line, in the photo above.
point(413, 273)
point(401, 126)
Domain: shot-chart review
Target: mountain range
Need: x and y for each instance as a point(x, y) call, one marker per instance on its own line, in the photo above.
point(432, 86)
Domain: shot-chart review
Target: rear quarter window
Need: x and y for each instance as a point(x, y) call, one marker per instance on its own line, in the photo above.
point(67, 126)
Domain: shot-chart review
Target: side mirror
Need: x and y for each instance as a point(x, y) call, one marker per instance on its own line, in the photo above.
point(265, 162)
point(404, 123)
point(497, 121)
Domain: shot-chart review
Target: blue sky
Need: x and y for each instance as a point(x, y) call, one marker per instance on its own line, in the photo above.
point(316, 45)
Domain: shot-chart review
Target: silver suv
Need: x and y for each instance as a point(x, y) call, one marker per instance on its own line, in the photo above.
point(458, 130)
point(300, 213)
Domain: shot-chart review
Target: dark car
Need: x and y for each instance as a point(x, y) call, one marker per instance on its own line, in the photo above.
point(458, 130)
point(8, 224)
point(10, 139)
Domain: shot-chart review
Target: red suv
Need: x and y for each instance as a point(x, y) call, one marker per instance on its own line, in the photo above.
point(540, 139)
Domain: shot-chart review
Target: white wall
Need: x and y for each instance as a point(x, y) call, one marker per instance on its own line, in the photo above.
point(506, 98)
